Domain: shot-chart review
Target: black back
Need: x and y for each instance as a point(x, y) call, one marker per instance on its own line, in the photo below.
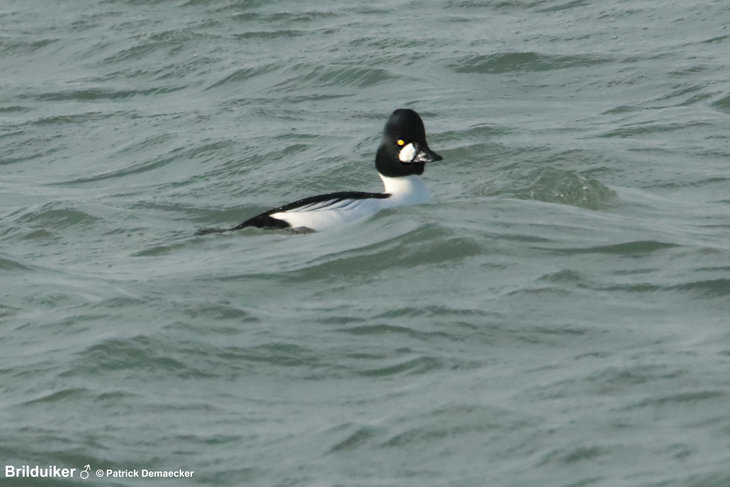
point(265, 220)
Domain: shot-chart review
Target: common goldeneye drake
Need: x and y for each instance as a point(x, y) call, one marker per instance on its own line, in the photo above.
point(400, 161)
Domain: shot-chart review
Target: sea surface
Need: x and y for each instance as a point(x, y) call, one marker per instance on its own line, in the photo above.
point(558, 316)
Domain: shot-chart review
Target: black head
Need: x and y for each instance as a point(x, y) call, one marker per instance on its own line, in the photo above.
point(404, 150)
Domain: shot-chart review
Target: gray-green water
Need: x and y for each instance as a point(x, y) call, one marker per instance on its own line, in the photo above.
point(557, 317)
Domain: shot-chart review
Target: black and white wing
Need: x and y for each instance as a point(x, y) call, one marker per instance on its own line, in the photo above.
point(316, 209)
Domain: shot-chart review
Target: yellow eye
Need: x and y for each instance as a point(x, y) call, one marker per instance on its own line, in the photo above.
point(400, 142)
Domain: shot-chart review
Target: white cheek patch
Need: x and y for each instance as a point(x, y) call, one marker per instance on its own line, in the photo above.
point(407, 153)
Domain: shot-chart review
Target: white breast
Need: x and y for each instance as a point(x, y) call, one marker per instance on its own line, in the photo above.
point(406, 190)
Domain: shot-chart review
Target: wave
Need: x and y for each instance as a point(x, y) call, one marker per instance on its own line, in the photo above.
point(554, 185)
point(55, 216)
point(508, 62)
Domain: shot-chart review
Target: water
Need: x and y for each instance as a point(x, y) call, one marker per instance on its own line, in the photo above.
point(558, 316)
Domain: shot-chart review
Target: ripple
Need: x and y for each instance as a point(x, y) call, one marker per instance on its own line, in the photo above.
point(570, 455)
point(7, 264)
point(140, 167)
point(635, 248)
point(554, 185)
point(171, 42)
point(423, 246)
point(12, 109)
point(723, 104)
point(707, 288)
point(242, 74)
point(139, 353)
point(96, 94)
point(334, 76)
point(652, 127)
point(10, 46)
point(75, 118)
point(355, 440)
point(280, 354)
point(270, 34)
point(385, 330)
point(508, 62)
point(58, 396)
point(56, 216)
point(418, 365)
point(679, 398)
point(452, 421)
point(283, 18)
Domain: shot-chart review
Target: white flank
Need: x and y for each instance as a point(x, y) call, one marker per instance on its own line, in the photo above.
point(404, 190)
